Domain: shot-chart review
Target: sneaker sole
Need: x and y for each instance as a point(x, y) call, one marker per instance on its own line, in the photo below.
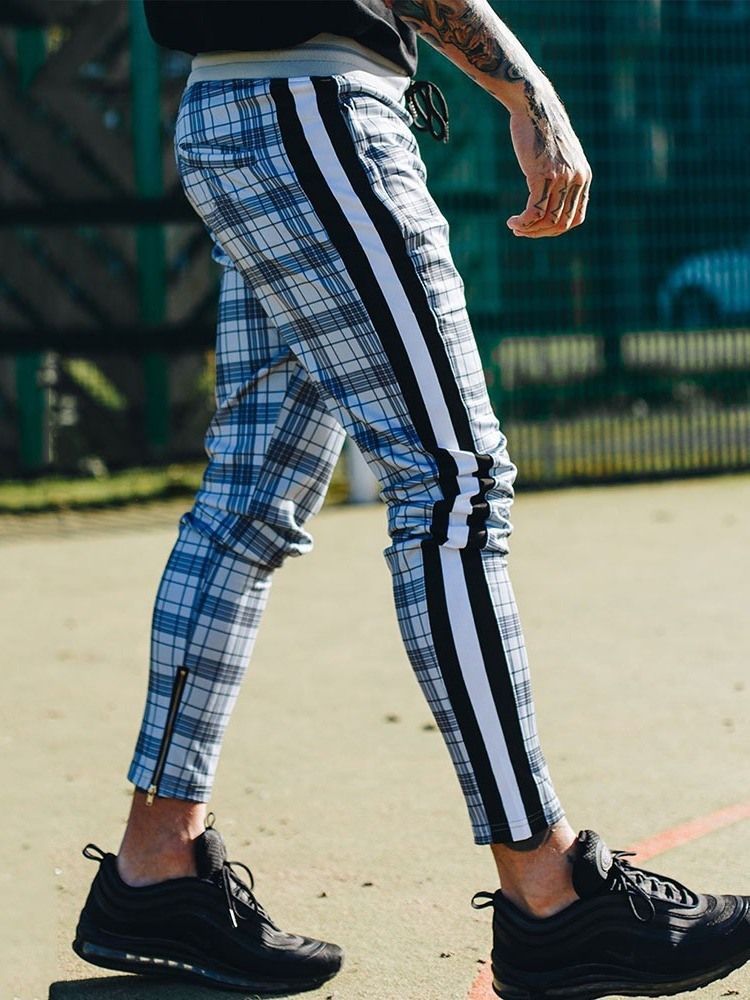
point(593, 982)
point(154, 965)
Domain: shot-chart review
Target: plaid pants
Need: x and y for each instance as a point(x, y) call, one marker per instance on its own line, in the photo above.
point(340, 311)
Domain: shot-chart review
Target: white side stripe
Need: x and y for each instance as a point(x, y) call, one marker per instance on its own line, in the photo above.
point(459, 608)
point(474, 674)
point(322, 149)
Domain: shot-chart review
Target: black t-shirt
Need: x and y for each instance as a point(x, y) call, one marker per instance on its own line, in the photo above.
point(256, 25)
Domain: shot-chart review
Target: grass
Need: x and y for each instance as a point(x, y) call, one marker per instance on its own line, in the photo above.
point(112, 489)
point(116, 489)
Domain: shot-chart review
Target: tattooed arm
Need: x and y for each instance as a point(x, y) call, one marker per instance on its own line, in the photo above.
point(471, 35)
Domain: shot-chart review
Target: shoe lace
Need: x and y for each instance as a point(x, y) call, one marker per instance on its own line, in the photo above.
point(481, 900)
point(235, 889)
point(643, 887)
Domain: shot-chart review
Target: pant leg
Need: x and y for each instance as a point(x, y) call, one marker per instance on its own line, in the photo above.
point(315, 190)
point(272, 447)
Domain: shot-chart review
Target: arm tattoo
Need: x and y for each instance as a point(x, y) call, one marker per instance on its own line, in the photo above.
point(557, 210)
point(542, 203)
point(453, 22)
point(469, 27)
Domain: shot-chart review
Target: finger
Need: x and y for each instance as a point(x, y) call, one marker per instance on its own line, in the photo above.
point(536, 205)
point(563, 206)
point(538, 234)
point(549, 222)
point(557, 205)
point(571, 205)
point(557, 222)
point(554, 222)
point(581, 206)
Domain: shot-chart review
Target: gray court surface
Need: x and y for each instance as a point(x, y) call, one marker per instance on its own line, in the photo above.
point(334, 786)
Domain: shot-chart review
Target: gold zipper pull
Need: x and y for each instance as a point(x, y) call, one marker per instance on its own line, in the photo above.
point(150, 795)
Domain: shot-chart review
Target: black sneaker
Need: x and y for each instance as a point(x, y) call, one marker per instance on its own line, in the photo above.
point(632, 933)
point(210, 929)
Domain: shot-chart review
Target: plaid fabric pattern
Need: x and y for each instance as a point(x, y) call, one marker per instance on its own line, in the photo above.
point(272, 447)
point(206, 617)
point(301, 360)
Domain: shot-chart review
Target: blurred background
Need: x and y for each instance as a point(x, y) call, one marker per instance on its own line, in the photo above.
point(619, 351)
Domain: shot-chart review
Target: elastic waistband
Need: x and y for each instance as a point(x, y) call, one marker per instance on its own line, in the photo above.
point(324, 55)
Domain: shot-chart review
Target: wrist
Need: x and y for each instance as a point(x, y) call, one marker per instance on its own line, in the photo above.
point(527, 96)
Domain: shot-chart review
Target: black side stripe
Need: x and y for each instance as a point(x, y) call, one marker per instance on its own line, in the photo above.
point(498, 675)
point(450, 668)
point(448, 479)
point(480, 507)
point(393, 240)
point(343, 237)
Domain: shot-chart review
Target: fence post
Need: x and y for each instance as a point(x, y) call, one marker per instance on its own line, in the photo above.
point(602, 64)
point(146, 116)
point(363, 486)
point(31, 52)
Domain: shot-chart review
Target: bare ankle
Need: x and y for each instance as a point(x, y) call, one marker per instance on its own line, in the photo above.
point(540, 905)
point(147, 868)
point(536, 874)
point(158, 840)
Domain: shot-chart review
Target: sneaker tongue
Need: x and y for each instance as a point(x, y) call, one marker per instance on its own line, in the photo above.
point(210, 853)
point(592, 866)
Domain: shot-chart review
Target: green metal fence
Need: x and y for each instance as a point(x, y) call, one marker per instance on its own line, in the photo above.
point(619, 350)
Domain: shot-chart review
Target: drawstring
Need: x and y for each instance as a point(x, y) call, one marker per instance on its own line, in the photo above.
point(428, 108)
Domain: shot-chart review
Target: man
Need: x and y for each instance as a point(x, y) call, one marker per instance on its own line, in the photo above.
point(340, 308)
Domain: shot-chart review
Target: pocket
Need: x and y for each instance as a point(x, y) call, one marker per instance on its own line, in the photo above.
point(384, 143)
point(352, 94)
point(381, 129)
point(218, 125)
point(215, 155)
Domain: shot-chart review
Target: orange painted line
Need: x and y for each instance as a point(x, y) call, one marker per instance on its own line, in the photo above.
point(660, 843)
point(481, 988)
point(694, 829)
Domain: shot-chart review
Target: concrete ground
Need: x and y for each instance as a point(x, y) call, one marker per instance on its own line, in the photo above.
point(334, 785)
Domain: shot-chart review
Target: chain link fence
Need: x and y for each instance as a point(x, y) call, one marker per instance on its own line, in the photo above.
point(619, 350)
point(623, 348)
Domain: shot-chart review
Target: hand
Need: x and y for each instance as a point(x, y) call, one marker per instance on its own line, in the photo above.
point(557, 173)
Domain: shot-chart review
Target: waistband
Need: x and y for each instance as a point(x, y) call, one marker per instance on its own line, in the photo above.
point(323, 55)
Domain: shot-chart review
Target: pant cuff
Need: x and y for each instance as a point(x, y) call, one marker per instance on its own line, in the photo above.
point(513, 833)
point(169, 788)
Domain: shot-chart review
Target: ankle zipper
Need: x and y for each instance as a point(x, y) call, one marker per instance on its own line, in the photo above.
point(174, 703)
